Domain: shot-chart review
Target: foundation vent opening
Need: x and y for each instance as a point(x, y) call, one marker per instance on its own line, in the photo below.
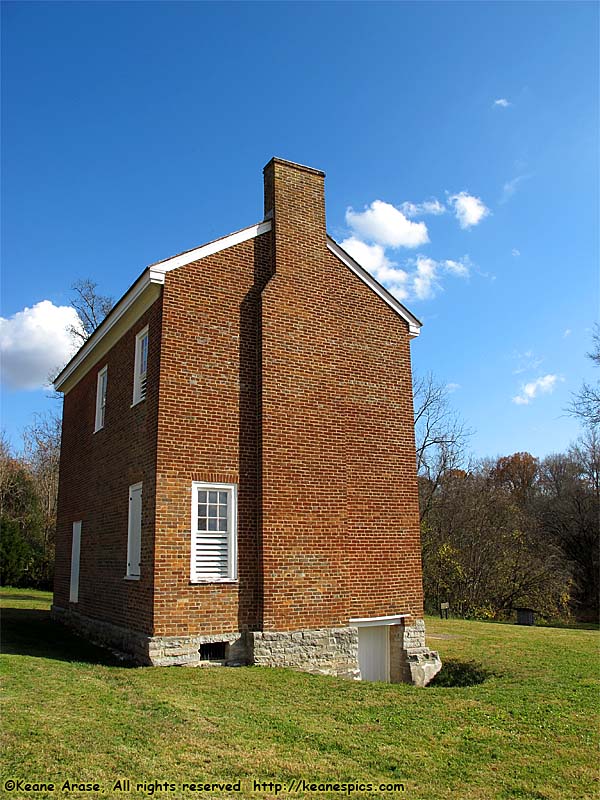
point(213, 651)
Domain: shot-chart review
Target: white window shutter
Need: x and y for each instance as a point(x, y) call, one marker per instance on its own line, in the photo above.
point(134, 534)
point(140, 366)
point(212, 556)
point(75, 553)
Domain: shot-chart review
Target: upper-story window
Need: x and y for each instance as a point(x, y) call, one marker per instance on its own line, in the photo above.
point(101, 398)
point(141, 366)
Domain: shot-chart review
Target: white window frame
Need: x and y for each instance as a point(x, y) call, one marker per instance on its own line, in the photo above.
point(139, 378)
point(231, 489)
point(101, 398)
point(131, 575)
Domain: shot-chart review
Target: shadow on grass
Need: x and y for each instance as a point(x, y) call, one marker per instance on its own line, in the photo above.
point(28, 632)
point(35, 598)
point(461, 673)
point(567, 626)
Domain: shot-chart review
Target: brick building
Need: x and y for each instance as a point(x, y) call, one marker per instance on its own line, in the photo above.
point(237, 476)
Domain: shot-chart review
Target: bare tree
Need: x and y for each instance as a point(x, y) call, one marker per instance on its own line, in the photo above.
point(484, 550)
point(441, 436)
point(570, 514)
point(90, 306)
point(42, 455)
point(586, 403)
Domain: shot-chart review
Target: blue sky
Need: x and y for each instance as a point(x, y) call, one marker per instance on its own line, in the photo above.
point(133, 131)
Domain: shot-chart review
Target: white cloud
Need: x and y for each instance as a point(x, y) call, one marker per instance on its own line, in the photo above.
point(35, 342)
point(458, 268)
point(384, 224)
point(526, 362)
point(567, 332)
point(529, 391)
point(425, 280)
point(502, 102)
point(515, 253)
point(372, 257)
point(419, 278)
point(469, 210)
point(510, 187)
point(452, 387)
point(432, 206)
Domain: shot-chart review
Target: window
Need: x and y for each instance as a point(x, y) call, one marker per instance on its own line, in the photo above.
point(214, 532)
point(101, 398)
point(134, 532)
point(141, 366)
point(75, 550)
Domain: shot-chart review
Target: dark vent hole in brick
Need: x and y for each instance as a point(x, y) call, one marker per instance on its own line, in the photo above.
point(213, 651)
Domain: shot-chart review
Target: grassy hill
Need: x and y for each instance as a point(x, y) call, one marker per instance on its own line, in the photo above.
point(514, 715)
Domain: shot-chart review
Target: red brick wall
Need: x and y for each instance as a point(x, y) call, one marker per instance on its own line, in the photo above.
point(340, 532)
point(96, 470)
point(208, 431)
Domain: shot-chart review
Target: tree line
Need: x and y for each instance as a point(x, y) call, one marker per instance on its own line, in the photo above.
point(511, 531)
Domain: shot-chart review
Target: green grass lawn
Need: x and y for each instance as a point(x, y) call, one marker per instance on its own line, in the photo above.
point(527, 727)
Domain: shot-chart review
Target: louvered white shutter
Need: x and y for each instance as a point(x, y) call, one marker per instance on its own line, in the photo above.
point(140, 372)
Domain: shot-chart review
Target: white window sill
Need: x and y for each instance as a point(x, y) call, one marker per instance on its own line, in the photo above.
point(101, 428)
point(199, 582)
point(131, 578)
point(137, 402)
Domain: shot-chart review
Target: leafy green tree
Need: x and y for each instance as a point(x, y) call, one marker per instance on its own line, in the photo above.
point(15, 554)
point(20, 511)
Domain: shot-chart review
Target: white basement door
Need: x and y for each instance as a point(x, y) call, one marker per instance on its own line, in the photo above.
point(373, 652)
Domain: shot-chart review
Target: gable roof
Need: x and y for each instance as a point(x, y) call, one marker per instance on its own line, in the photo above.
point(146, 289)
point(138, 299)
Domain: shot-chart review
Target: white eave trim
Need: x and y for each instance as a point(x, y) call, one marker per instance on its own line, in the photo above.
point(364, 622)
point(154, 274)
point(212, 247)
point(125, 304)
point(414, 325)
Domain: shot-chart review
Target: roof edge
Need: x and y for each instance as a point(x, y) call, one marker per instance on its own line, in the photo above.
point(214, 246)
point(153, 274)
point(126, 304)
point(414, 324)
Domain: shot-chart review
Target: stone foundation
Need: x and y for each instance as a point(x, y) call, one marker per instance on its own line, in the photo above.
point(324, 651)
point(410, 660)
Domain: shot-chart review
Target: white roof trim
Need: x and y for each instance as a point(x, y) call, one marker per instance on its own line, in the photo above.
point(125, 304)
point(212, 247)
point(154, 274)
point(365, 622)
point(414, 325)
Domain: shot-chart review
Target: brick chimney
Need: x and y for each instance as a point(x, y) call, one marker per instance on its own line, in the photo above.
point(295, 200)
